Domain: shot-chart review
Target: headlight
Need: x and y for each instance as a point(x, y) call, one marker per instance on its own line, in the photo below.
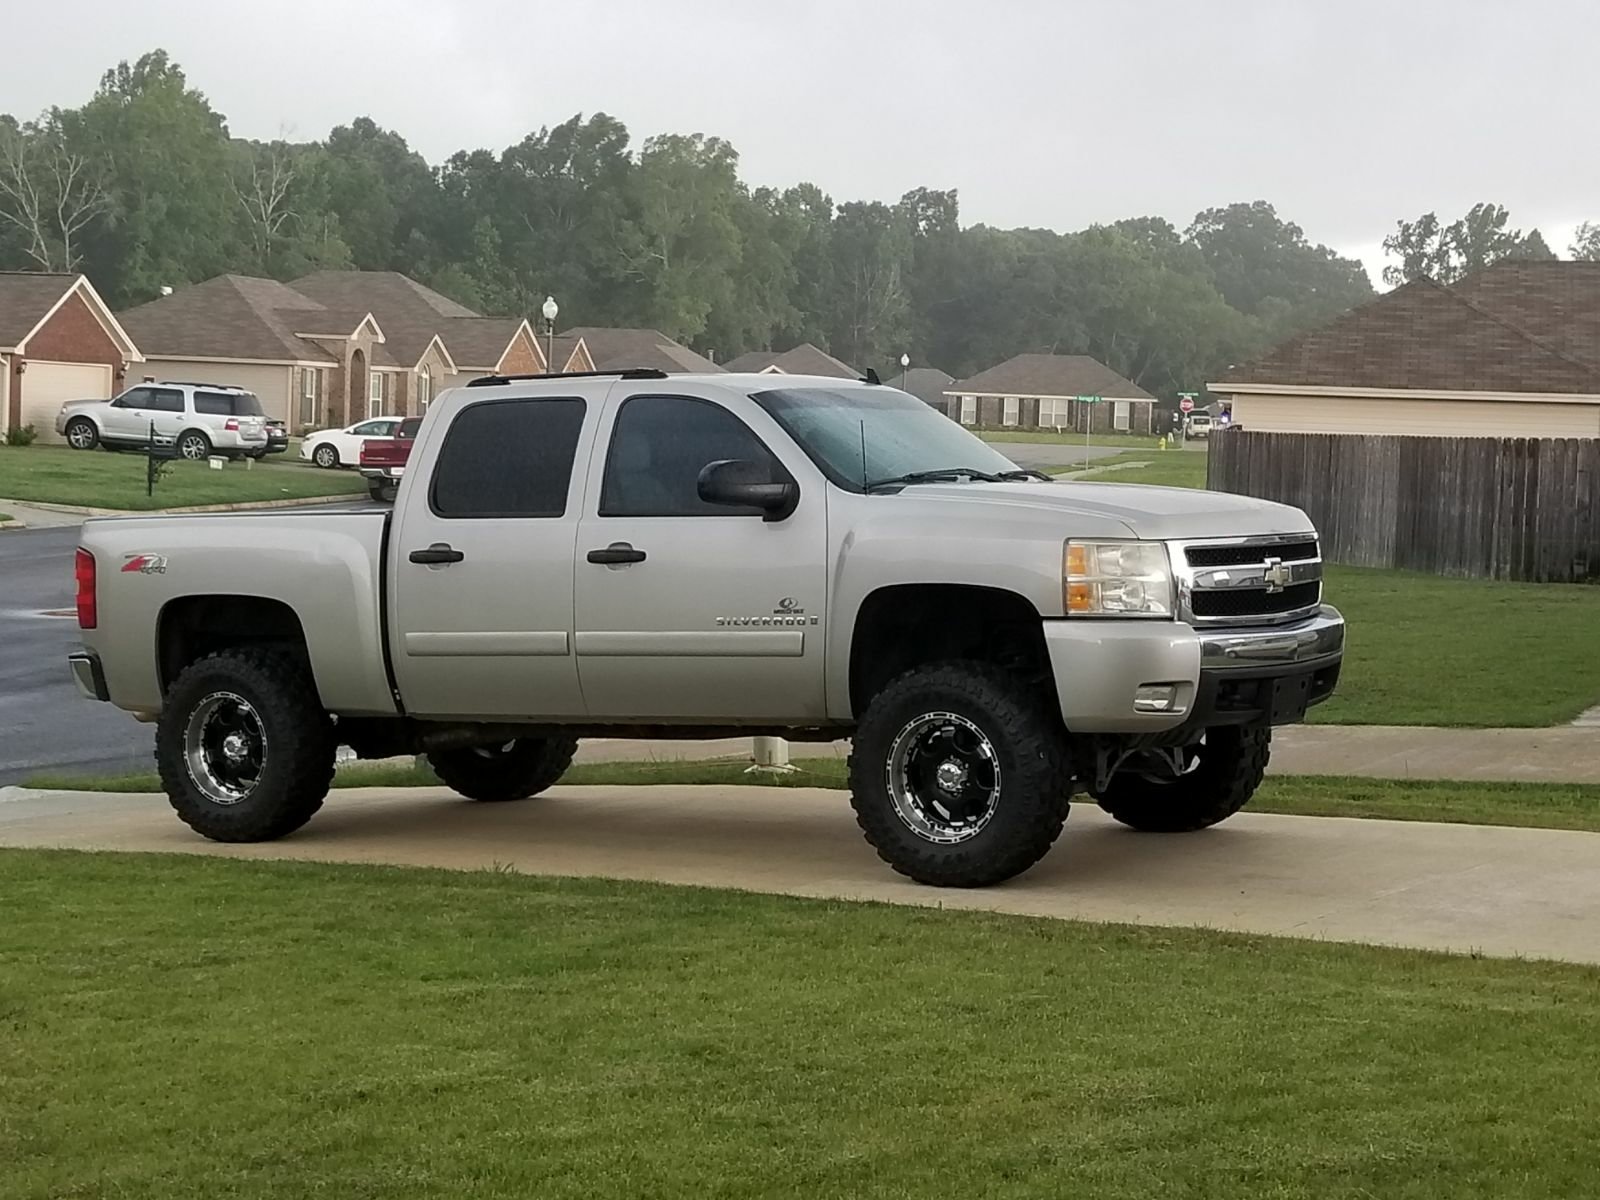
point(1116, 579)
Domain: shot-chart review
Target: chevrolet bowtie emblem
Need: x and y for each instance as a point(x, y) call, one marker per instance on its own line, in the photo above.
point(1276, 575)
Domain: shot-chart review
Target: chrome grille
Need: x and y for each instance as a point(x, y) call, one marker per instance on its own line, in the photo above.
point(1265, 580)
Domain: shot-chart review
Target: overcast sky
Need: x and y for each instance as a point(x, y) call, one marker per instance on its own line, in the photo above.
point(1345, 114)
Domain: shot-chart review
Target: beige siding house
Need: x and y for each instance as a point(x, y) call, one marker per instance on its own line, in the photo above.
point(1510, 351)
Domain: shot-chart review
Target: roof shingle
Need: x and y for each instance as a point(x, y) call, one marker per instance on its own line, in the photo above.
point(229, 316)
point(25, 297)
point(1424, 336)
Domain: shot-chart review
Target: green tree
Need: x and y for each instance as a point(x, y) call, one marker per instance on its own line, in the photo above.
point(871, 304)
point(165, 156)
point(384, 195)
point(51, 192)
point(1586, 243)
point(1266, 268)
point(1427, 247)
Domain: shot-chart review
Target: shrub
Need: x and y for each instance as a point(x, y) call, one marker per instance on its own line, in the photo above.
point(23, 435)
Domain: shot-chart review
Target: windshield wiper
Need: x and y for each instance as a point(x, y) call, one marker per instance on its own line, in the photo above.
point(1027, 473)
point(934, 476)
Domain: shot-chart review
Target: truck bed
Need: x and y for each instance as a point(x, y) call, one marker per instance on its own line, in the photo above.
point(323, 565)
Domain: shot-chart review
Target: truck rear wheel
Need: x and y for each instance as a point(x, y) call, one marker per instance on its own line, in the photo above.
point(959, 776)
point(512, 771)
point(1221, 774)
point(244, 748)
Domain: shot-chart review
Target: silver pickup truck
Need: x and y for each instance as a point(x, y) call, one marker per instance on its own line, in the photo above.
point(633, 555)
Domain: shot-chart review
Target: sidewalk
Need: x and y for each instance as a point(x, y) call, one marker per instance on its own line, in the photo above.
point(1563, 754)
point(1464, 888)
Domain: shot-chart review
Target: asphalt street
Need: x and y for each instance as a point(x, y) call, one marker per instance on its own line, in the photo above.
point(45, 725)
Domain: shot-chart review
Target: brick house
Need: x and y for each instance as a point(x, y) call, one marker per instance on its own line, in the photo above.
point(58, 342)
point(1040, 391)
point(333, 347)
point(1512, 350)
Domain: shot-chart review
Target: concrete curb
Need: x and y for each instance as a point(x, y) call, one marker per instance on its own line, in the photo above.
point(5, 525)
point(82, 510)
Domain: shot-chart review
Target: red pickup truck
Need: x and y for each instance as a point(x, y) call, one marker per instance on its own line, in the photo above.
point(383, 460)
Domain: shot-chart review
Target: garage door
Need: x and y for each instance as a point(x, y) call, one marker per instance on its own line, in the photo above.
point(46, 386)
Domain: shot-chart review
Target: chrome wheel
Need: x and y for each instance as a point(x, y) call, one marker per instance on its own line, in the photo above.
point(194, 447)
point(943, 778)
point(81, 435)
point(225, 747)
point(326, 456)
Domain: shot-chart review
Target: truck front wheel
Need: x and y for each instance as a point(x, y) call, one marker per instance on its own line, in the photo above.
point(512, 771)
point(244, 748)
point(959, 776)
point(1219, 776)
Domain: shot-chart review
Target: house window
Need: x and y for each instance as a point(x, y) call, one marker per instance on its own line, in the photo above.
point(969, 410)
point(1053, 413)
point(424, 388)
point(1012, 411)
point(1119, 415)
point(308, 396)
point(374, 395)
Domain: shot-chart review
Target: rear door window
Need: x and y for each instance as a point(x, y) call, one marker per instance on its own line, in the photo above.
point(506, 458)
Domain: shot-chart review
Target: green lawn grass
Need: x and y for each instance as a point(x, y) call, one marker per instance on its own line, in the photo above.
point(182, 1028)
point(1474, 652)
point(100, 479)
point(5, 516)
point(1170, 468)
point(1540, 805)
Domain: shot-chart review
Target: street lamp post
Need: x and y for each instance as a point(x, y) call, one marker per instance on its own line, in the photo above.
point(550, 311)
point(905, 365)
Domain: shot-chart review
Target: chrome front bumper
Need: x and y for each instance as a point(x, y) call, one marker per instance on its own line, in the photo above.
point(1218, 676)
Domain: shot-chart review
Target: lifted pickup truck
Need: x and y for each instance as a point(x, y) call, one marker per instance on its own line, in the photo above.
point(633, 555)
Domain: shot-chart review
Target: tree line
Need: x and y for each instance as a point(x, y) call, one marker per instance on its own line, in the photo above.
point(143, 187)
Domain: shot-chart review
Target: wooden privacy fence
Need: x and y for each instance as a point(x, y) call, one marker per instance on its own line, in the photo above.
point(1491, 508)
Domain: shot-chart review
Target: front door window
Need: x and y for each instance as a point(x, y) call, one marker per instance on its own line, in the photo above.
point(374, 395)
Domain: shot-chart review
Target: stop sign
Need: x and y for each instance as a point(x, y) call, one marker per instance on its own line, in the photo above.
point(1186, 405)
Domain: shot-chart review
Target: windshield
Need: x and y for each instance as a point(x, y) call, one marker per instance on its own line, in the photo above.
point(860, 435)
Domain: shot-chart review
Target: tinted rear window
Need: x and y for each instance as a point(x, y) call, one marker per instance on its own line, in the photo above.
point(408, 427)
point(508, 458)
point(228, 404)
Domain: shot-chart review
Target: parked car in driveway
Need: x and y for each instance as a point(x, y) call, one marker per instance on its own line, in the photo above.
point(200, 419)
point(277, 436)
point(383, 460)
point(624, 555)
point(342, 447)
point(1198, 425)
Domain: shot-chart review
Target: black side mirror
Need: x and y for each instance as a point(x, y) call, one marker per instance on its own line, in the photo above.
point(741, 484)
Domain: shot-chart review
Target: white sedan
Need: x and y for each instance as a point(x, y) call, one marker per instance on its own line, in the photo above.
point(342, 447)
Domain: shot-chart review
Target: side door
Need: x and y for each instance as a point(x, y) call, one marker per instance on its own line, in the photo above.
point(480, 558)
point(126, 418)
point(166, 409)
point(687, 610)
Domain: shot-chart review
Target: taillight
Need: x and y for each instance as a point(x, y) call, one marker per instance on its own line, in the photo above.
point(83, 572)
point(231, 426)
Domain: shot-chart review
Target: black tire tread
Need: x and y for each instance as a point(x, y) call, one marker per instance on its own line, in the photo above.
point(524, 773)
point(288, 698)
point(1017, 721)
point(1232, 765)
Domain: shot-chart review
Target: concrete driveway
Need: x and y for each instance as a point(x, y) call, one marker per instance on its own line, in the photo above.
point(1504, 892)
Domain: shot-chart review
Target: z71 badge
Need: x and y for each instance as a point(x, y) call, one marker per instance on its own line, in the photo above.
point(145, 564)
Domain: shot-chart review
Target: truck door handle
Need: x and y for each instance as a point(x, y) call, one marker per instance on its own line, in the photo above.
point(615, 554)
point(439, 552)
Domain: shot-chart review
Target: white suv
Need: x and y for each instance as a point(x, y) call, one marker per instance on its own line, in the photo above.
point(201, 419)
